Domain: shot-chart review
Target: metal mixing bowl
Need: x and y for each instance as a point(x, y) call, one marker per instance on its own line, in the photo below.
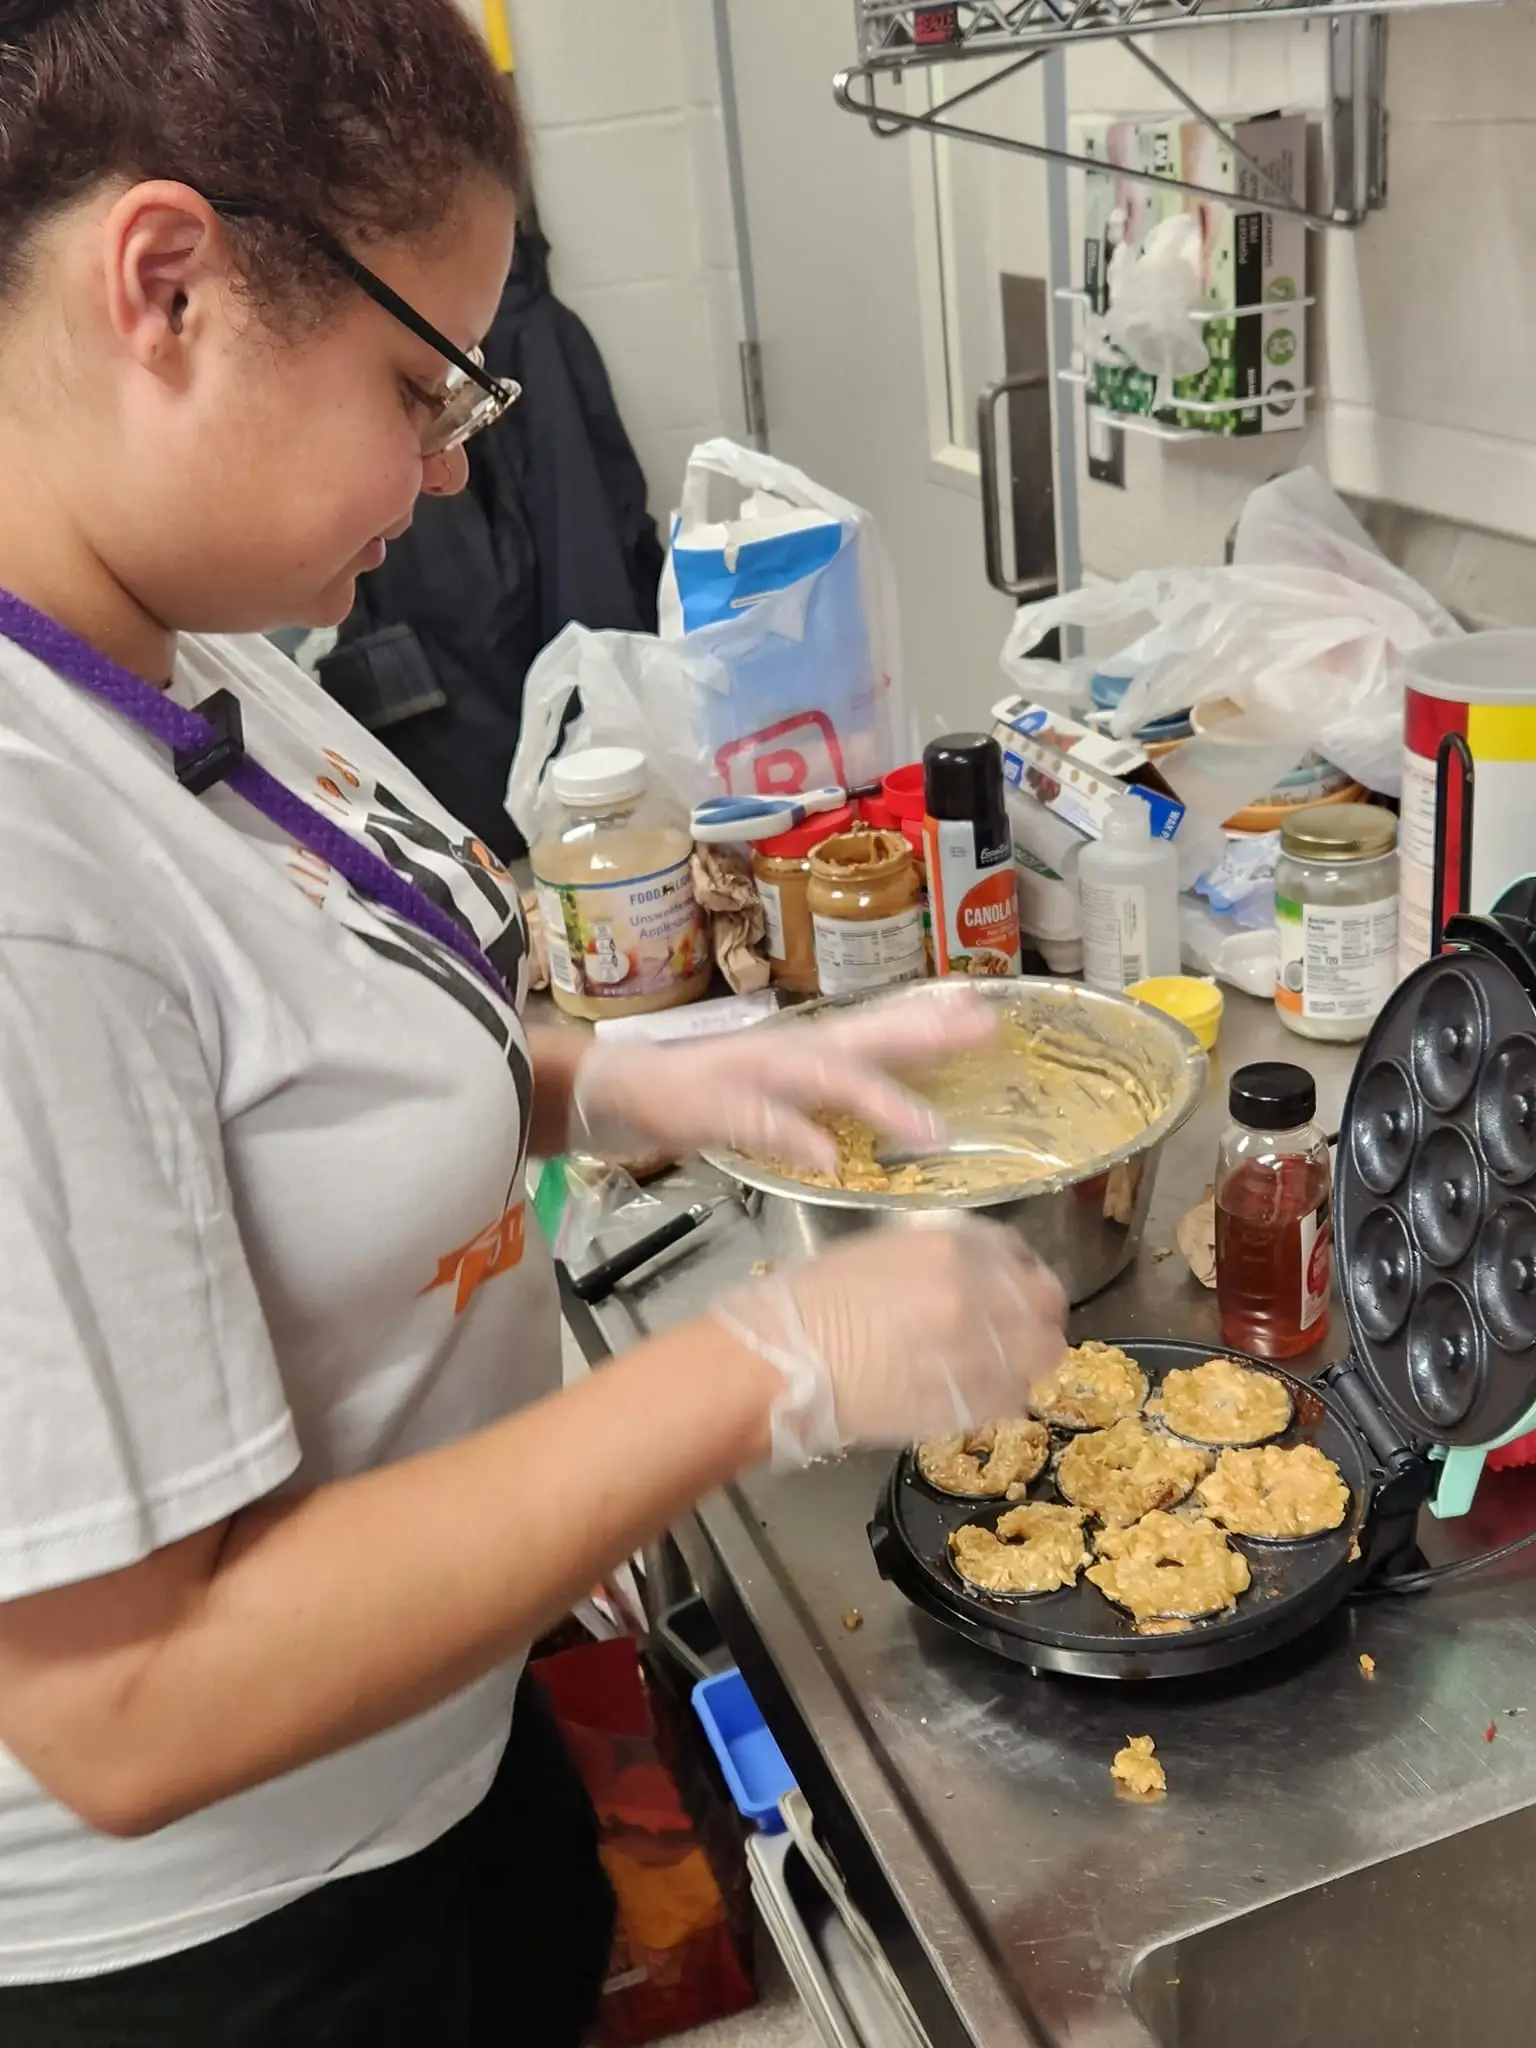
point(1087, 1222)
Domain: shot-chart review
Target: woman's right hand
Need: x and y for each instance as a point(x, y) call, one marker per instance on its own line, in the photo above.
point(914, 1331)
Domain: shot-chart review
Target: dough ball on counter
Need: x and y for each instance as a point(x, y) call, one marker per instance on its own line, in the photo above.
point(1137, 1772)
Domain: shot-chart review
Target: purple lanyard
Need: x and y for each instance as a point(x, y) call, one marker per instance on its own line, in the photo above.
point(207, 747)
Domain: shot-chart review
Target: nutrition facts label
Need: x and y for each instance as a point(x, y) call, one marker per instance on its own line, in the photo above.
point(874, 953)
point(1336, 964)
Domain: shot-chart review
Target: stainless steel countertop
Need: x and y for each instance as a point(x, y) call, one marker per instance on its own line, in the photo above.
point(984, 1792)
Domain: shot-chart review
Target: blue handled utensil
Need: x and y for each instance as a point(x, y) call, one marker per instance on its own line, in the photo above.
point(721, 820)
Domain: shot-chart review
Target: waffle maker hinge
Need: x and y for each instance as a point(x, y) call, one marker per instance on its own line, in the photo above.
point(1405, 1472)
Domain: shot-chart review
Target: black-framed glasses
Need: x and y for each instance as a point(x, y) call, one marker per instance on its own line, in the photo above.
point(469, 400)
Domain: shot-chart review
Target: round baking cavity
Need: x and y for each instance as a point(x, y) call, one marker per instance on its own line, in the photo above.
point(1260, 1470)
point(1458, 1369)
point(986, 1463)
point(1240, 1379)
point(1445, 1195)
point(1385, 1127)
point(1118, 1475)
point(1506, 1275)
point(1506, 1110)
point(1450, 1037)
point(1382, 1274)
point(1446, 1358)
point(1095, 1386)
point(1077, 1629)
point(1015, 1537)
point(1170, 1552)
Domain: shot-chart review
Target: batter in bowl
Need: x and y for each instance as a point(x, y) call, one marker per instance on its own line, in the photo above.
point(1056, 1099)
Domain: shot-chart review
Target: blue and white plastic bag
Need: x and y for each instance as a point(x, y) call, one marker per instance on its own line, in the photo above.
point(793, 595)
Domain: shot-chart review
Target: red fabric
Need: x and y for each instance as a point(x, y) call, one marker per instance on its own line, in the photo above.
point(675, 1963)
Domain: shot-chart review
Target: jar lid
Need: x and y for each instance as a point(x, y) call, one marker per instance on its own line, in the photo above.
point(1272, 1095)
point(903, 792)
point(1340, 832)
point(802, 839)
point(600, 775)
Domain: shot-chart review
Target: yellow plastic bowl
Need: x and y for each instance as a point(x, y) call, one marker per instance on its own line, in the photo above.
point(1195, 1003)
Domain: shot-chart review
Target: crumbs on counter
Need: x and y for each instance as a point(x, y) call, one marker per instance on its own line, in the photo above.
point(1137, 1773)
point(1367, 1666)
point(853, 1620)
point(761, 1267)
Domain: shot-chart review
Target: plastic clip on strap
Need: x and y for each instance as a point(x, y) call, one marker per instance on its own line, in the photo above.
point(199, 771)
point(207, 748)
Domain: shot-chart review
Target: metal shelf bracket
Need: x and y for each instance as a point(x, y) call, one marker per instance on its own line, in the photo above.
point(1354, 120)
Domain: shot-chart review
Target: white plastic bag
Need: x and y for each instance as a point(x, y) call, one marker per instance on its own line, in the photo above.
point(1308, 632)
point(1302, 520)
point(635, 691)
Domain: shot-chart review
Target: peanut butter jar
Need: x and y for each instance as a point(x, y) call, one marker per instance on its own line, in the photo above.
point(866, 913)
point(781, 868)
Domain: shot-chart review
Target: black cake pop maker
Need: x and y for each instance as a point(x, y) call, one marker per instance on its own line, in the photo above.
point(1435, 1227)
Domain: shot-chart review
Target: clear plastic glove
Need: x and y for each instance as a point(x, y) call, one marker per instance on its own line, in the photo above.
point(915, 1331)
point(756, 1091)
point(1152, 292)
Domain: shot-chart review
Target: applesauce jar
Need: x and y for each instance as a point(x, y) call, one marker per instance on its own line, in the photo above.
point(614, 880)
point(866, 913)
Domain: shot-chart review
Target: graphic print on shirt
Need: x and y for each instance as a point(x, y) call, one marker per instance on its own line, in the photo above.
point(424, 855)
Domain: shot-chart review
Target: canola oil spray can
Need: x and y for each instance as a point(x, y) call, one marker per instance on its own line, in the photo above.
point(972, 882)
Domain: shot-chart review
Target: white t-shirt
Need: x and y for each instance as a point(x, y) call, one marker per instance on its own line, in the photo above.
point(261, 1224)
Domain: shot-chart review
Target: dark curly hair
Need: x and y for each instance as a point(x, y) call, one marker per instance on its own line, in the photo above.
point(362, 116)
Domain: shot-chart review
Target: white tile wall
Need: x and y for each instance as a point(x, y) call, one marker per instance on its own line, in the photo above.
point(619, 201)
point(622, 97)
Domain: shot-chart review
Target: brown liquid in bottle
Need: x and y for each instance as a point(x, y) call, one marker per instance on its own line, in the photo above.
point(1267, 1271)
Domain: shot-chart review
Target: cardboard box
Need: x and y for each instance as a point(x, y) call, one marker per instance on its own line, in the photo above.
point(1249, 259)
point(1115, 210)
point(1077, 773)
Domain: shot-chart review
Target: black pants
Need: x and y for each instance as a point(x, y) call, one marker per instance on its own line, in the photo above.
point(497, 1936)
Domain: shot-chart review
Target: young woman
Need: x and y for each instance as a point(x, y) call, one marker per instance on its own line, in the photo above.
point(286, 1486)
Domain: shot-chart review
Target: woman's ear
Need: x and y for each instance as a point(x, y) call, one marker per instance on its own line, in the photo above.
point(167, 261)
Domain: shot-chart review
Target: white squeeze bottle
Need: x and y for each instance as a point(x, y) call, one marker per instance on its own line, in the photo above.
point(1130, 891)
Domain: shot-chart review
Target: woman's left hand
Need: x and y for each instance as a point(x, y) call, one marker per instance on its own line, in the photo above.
point(756, 1092)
